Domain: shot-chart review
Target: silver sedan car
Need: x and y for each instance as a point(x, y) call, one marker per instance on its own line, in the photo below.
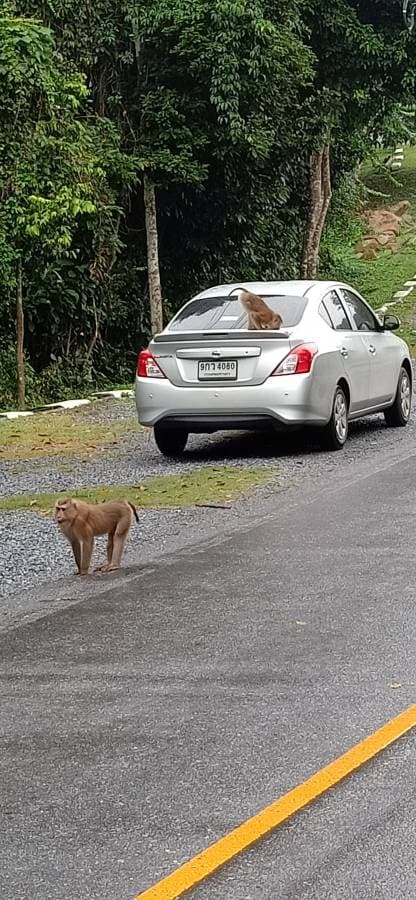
point(332, 361)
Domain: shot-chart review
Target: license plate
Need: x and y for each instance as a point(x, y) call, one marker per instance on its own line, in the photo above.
point(218, 370)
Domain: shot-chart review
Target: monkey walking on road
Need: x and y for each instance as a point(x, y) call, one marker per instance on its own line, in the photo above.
point(81, 522)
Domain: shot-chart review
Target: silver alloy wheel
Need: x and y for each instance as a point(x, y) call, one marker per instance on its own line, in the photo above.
point(404, 394)
point(340, 417)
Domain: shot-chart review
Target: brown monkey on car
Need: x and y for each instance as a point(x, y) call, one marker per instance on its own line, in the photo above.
point(81, 522)
point(260, 316)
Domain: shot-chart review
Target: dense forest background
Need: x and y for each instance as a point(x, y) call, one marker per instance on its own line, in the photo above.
point(240, 124)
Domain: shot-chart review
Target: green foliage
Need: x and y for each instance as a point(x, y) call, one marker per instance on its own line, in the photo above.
point(47, 164)
point(56, 162)
point(365, 73)
point(222, 100)
point(343, 231)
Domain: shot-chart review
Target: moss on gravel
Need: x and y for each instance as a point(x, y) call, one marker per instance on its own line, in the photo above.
point(59, 434)
point(205, 485)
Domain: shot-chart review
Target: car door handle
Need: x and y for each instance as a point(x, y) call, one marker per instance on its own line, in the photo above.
point(344, 352)
point(371, 348)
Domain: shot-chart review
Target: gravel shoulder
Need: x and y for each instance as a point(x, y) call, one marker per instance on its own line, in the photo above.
point(35, 554)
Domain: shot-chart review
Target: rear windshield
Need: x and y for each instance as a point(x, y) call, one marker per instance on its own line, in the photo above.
point(227, 313)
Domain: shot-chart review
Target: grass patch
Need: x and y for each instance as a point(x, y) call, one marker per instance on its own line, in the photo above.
point(206, 485)
point(379, 279)
point(58, 434)
point(129, 386)
point(386, 190)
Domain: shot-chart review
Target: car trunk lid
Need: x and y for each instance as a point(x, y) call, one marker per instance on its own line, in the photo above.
point(226, 359)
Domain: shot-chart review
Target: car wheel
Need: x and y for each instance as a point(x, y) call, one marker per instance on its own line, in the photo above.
point(170, 441)
point(334, 435)
point(398, 414)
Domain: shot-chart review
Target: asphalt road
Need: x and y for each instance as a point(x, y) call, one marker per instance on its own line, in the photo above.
point(356, 843)
point(140, 724)
point(34, 553)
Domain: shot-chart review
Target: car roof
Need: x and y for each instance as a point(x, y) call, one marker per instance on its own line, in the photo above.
point(297, 288)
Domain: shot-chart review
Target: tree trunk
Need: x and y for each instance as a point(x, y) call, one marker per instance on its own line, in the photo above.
point(20, 336)
point(319, 200)
point(155, 291)
point(149, 196)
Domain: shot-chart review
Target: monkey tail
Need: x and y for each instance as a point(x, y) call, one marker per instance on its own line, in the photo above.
point(134, 510)
point(235, 289)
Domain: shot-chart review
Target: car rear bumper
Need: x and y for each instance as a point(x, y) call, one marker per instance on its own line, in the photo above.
point(285, 401)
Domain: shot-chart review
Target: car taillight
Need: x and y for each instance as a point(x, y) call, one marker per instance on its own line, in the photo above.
point(147, 366)
point(298, 361)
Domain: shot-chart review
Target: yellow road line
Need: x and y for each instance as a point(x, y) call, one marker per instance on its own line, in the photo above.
point(215, 856)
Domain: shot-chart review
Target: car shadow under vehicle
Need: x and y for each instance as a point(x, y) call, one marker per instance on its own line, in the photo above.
point(234, 445)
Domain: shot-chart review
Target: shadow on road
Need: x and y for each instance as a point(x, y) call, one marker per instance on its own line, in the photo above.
point(235, 445)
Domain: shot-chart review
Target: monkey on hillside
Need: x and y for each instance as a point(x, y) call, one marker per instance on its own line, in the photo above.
point(260, 316)
point(81, 522)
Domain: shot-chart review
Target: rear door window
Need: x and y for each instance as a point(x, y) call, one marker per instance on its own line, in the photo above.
point(336, 312)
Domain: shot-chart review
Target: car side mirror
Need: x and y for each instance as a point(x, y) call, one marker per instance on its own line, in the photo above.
point(391, 323)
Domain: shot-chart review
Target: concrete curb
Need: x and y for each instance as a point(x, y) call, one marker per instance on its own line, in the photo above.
point(399, 296)
point(396, 160)
point(67, 404)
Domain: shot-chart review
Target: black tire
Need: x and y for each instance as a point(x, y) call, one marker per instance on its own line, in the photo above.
point(334, 435)
point(398, 415)
point(170, 441)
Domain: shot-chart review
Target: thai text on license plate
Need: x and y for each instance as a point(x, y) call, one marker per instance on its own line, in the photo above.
point(217, 369)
